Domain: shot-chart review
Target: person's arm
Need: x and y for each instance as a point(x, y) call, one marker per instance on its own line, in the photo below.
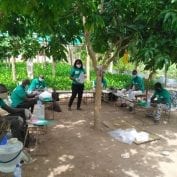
point(32, 86)
point(72, 75)
point(25, 96)
point(31, 95)
point(12, 110)
point(153, 97)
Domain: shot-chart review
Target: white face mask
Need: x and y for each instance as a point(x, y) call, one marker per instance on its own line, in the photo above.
point(40, 79)
point(134, 76)
point(78, 65)
point(3, 95)
point(26, 87)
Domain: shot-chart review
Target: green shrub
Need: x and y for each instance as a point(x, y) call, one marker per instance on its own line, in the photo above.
point(61, 81)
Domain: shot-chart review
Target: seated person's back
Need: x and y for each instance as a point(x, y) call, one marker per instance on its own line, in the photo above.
point(20, 98)
point(103, 83)
point(137, 82)
point(161, 94)
point(37, 84)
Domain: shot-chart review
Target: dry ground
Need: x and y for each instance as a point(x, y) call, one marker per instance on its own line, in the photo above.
point(71, 148)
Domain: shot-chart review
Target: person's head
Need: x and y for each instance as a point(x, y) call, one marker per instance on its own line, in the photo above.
point(3, 91)
point(78, 64)
point(134, 73)
point(26, 83)
point(158, 86)
point(41, 78)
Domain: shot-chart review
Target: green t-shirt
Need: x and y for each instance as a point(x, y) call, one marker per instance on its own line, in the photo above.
point(138, 83)
point(76, 73)
point(1, 103)
point(36, 84)
point(18, 96)
point(163, 96)
point(104, 83)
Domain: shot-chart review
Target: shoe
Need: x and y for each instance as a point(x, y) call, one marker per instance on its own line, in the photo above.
point(69, 108)
point(149, 115)
point(79, 109)
point(123, 105)
point(26, 157)
point(130, 109)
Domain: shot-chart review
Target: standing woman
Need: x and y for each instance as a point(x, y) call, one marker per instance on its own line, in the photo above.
point(77, 76)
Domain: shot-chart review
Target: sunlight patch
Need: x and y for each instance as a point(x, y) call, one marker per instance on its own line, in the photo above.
point(60, 169)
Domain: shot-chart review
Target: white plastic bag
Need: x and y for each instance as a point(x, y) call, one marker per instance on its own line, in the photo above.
point(125, 136)
point(45, 95)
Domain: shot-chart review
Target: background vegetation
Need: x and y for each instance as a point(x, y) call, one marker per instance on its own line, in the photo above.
point(61, 81)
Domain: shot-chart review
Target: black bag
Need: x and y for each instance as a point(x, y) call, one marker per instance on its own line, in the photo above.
point(55, 96)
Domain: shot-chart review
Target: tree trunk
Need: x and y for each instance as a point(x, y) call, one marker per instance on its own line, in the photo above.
point(13, 69)
point(70, 56)
point(8, 63)
point(111, 67)
point(97, 107)
point(166, 69)
point(53, 67)
point(151, 75)
point(44, 60)
point(88, 67)
point(29, 68)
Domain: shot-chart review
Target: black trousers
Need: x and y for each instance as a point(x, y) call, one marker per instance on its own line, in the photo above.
point(77, 89)
point(28, 105)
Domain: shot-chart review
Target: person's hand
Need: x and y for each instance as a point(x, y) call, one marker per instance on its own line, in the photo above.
point(153, 104)
point(27, 114)
point(36, 97)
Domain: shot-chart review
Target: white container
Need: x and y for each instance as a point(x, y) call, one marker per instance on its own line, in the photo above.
point(8, 152)
point(39, 111)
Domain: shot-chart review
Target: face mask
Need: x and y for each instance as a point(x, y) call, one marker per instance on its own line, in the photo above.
point(158, 89)
point(26, 87)
point(40, 79)
point(78, 66)
point(3, 95)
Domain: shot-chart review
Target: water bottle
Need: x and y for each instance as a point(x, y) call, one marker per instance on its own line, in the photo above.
point(39, 109)
point(39, 103)
point(148, 102)
point(18, 171)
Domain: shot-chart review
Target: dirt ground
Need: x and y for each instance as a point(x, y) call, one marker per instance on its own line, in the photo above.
point(72, 148)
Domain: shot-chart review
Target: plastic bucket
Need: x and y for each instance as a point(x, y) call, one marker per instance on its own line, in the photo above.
point(10, 155)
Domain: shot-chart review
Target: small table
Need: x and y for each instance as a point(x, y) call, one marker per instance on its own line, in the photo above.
point(105, 95)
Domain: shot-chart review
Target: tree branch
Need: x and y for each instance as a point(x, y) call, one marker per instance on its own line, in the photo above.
point(89, 46)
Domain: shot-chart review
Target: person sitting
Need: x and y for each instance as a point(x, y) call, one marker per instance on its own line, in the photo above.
point(161, 99)
point(16, 116)
point(103, 83)
point(137, 86)
point(37, 84)
point(20, 98)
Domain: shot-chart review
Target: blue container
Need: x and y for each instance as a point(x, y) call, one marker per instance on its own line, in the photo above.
point(4, 140)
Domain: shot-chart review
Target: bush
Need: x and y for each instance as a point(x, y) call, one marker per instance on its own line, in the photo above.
point(61, 81)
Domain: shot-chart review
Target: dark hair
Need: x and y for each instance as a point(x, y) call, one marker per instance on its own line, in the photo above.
point(25, 82)
point(157, 85)
point(134, 72)
point(3, 88)
point(41, 76)
point(78, 61)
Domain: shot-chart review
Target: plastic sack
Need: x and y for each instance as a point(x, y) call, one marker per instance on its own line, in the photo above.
point(125, 136)
point(142, 136)
point(45, 96)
